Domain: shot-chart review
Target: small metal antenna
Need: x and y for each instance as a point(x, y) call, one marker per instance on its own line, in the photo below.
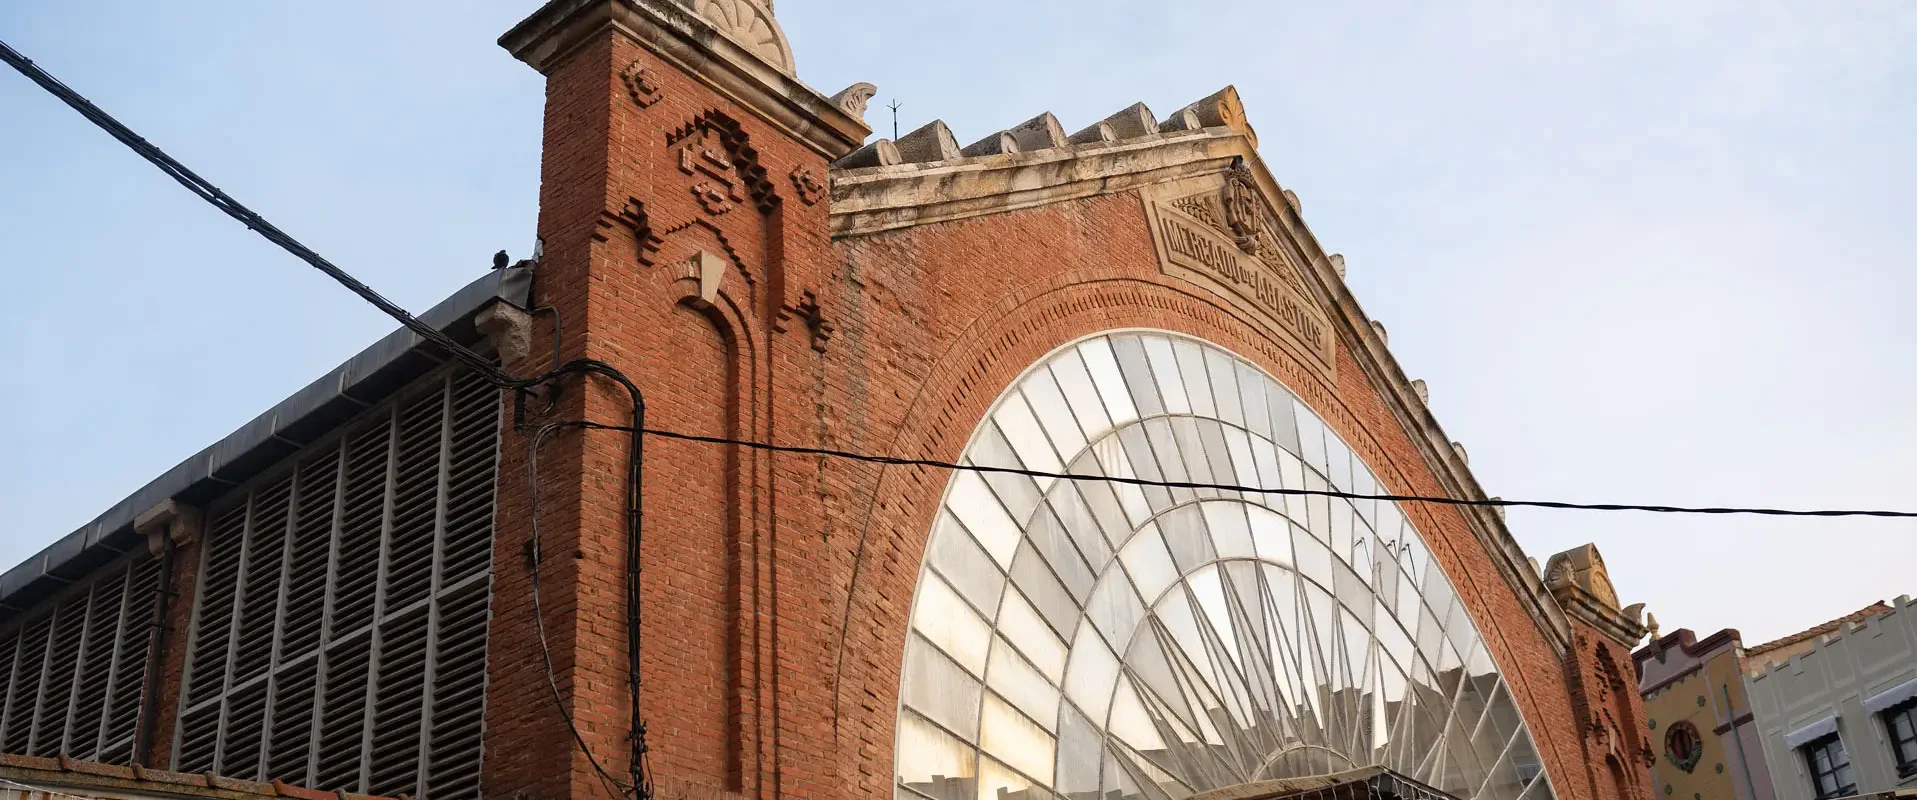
point(895, 119)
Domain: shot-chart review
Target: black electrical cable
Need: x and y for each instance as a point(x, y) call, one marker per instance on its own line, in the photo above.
point(641, 773)
point(535, 557)
point(1399, 498)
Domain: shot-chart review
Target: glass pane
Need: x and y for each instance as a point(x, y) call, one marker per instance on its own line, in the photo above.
point(1185, 534)
point(1311, 438)
point(1138, 375)
point(1224, 387)
point(1230, 531)
point(944, 619)
point(1021, 625)
point(1313, 559)
point(1270, 535)
point(936, 687)
point(1164, 368)
point(999, 782)
point(1020, 426)
point(1075, 382)
point(1115, 609)
point(1149, 563)
point(1054, 412)
point(1020, 494)
point(1040, 586)
point(1251, 392)
point(1019, 683)
point(1080, 744)
point(1110, 383)
point(1114, 462)
point(960, 560)
point(1085, 525)
point(933, 763)
point(1284, 423)
point(1091, 674)
point(1244, 466)
point(1048, 535)
point(1194, 458)
point(979, 510)
point(1191, 365)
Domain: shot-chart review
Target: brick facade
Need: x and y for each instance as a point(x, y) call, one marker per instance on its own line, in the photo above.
point(777, 587)
point(692, 240)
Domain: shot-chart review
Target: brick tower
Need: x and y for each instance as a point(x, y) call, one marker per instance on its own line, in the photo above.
point(683, 214)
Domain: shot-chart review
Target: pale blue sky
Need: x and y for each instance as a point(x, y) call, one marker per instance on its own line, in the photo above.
point(1642, 252)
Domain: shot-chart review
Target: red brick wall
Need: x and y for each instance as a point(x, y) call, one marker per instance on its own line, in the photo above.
point(777, 588)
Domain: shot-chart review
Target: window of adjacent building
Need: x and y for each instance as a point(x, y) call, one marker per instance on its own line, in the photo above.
point(1830, 768)
point(339, 631)
point(1901, 721)
point(1683, 745)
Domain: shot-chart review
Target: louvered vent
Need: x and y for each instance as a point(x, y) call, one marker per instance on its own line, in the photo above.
point(71, 670)
point(340, 638)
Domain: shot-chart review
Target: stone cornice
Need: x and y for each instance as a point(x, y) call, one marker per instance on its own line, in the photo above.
point(874, 199)
point(1591, 610)
point(690, 42)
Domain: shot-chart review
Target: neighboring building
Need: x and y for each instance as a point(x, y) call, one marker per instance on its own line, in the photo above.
point(1837, 705)
point(342, 594)
point(1700, 719)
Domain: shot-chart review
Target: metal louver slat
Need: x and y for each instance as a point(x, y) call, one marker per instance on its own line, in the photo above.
point(393, 761)
point(259, 595)
point(26, 685)
point(409, 559)
point(459, 688)
point(96, 667)
point(343, 716)
point(121, 715)
point(63, 654)
point(218, 591)
point(9, 649)
point(355, 617)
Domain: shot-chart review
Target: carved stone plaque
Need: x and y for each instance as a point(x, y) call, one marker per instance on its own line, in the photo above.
point(1201, 235)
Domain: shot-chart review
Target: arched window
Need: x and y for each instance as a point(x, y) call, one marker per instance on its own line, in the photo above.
point(1086, 638)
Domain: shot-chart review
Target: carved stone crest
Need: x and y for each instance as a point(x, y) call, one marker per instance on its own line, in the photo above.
point(642, 84)
point(1244, 210)
point(1215, 231)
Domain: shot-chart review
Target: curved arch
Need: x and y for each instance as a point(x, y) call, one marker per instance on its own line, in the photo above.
point(1087, 637)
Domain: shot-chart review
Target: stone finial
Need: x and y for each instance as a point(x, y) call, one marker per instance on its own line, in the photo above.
point(1224, 109)
point(1134, 121)
point(1181, 120)
point(1338, 264)
point(1650, 624)
point(1379, 328)
point(877, 153)
point(995, 144)
point(1423, 392)
point(852, 99)
point(1039, 133)
point(933, 141)
point(1498, 510)
point(1291, 199)
point(1458, 447)
point(1099, 132)
point(751, 24)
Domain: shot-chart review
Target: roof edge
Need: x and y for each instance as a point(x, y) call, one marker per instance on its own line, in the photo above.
point(303, 416)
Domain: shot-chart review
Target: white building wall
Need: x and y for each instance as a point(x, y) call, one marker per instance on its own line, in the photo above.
point(1833, 680)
